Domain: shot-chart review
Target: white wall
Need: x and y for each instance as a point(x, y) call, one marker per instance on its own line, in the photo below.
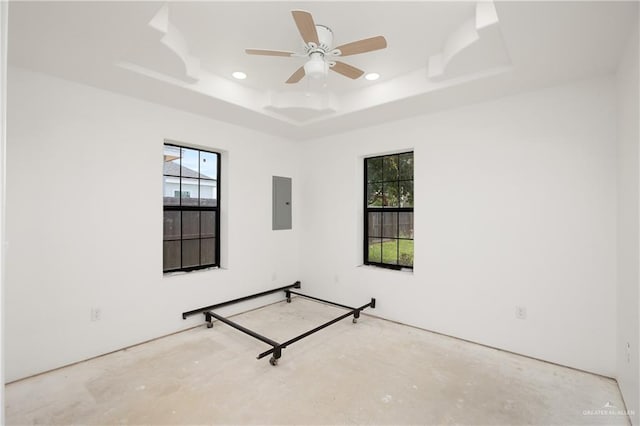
point(4, 9)
point(515, 205)
point(628, 227)
point(100, 245)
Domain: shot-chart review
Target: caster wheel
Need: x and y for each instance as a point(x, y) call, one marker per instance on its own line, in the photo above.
point(273, 361)
point(209, 325)
point(288, 300)
point(355, 320)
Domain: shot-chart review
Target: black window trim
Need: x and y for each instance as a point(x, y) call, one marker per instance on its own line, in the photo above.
point(182, 208)
point(367, 209)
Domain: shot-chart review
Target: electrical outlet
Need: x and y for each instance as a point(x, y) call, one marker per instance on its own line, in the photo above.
point(628, 353)
point(521, 312)
point(96, 314)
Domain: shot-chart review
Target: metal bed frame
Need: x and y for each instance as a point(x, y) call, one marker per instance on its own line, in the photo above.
point(276, 348)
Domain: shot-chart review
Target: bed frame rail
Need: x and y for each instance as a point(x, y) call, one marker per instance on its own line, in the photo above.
point(239, 299)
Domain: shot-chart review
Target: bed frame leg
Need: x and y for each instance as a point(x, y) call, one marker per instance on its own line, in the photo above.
point(277, 353)
point(207, 318)
point(288, 294)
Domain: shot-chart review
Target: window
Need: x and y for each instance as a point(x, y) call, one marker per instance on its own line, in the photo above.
point(191, 196)
point(388, 211)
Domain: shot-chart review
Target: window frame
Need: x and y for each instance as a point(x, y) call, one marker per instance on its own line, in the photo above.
point(383, 209)
point(199, 208)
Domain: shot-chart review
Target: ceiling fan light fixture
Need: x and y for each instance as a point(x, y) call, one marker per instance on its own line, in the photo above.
point(372, 76)
point(239, 75)
point(316, 68)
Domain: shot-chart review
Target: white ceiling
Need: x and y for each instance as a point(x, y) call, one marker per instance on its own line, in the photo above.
point(221, 31)
point(182, 54)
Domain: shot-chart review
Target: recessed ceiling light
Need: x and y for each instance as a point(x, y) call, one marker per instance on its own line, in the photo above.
point(372, 76)
point(239, 75)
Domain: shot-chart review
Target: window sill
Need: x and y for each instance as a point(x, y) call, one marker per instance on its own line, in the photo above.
point(382, 268)
point(177, 273)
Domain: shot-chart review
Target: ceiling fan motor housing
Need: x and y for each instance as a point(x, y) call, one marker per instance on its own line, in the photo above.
point(325, 37)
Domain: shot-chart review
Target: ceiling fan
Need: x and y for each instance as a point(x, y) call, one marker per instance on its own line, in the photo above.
point(318, 48)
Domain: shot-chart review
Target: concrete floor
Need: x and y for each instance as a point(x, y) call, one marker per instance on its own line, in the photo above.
point(374, 372)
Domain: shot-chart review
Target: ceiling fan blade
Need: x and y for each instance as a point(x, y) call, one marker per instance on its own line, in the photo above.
point(306, 26)
point(347, 70)
point(268, 52)
point(363, 46)
point(296, 76)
